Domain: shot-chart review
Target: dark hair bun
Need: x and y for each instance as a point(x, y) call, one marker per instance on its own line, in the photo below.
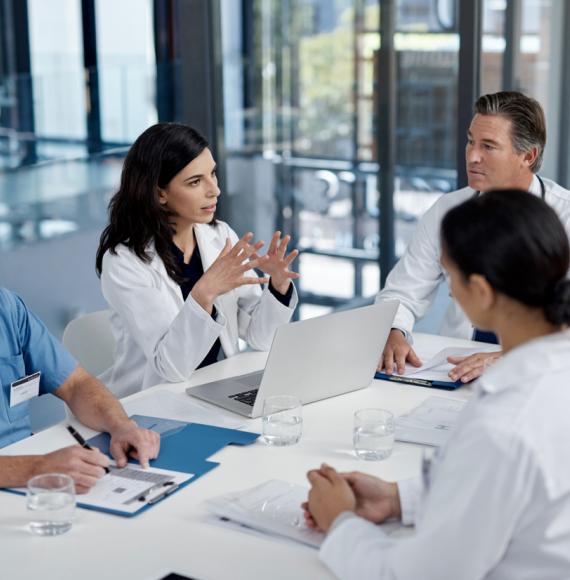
point(557, 310)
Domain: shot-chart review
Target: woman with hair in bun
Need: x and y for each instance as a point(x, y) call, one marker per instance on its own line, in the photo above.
point(179, 283)
point(494, 502)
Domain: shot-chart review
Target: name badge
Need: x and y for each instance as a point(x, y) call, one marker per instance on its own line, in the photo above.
point(25, 389)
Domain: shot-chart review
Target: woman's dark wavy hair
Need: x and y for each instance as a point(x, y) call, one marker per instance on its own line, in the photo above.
point(516, 241)
point(136, 217)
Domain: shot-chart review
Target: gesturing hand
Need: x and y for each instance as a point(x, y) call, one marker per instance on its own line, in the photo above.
point(228, 271)
point(276, 263)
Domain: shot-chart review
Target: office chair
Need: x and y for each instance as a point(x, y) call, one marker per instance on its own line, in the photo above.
point(90, 340)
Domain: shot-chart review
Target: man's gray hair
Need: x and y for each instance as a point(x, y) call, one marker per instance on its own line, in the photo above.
point(528, 126)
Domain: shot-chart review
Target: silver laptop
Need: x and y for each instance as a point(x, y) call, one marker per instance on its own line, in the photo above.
point(312, 359)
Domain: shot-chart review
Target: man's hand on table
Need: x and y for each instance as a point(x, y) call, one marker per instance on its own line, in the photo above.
point(130, 440)
point(396, 353)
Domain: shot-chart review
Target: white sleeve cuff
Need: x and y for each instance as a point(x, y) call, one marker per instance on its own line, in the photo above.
point(219, 321)
point(404, 319)
point(341, 518)
point(353, 545)
point(407, 335)
point(410, 491)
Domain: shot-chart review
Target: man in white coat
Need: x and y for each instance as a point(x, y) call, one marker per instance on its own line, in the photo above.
point(505, 145)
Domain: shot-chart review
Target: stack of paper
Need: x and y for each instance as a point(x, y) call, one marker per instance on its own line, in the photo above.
point(437, 368)
point(435, 372)
point(431, 423)
point(274, 508)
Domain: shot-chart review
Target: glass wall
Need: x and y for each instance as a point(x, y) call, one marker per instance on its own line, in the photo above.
point(308, 119)
point(127, 68)
point(57, 74)
point(536, 32)
point(492, 46)
point(301, 98)
point(309, 115)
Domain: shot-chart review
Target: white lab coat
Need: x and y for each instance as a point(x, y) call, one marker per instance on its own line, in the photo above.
point(414, 280)
point(496, 504)
point(162, 338)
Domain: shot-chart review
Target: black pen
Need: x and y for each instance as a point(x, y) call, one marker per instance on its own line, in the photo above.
point(78, 437)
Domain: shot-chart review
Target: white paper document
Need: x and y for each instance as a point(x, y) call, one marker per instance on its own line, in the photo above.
point(274, 508)
point(437, 368)
point(179, 406)
point(431, 423)
point(129, 489)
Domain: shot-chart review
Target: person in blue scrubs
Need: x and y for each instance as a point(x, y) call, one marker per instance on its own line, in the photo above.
point(32, 363)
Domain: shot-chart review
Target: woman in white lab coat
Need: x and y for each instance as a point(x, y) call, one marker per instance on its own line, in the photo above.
point(495, 501)
point(179, 283)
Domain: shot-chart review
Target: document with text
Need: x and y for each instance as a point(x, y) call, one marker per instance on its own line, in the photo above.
point(430, 423)
point(274, 508)
point(131, 488)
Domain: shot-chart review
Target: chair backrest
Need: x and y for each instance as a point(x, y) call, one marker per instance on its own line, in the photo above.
point(90, 340)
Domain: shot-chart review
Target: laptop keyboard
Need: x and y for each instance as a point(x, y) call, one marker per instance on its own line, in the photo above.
point(247, 397)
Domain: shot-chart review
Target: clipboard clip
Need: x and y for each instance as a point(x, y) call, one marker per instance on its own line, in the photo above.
point(163, 490)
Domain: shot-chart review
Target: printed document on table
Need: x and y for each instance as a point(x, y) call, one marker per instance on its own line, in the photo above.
point(274, 508)
point(430, 423)
point(129, 489)
point(437, 368)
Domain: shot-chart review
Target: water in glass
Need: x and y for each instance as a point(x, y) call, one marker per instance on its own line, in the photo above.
point(50, 503)
point(373, 442)
point(373, 434)
point(282, 420)
point(51, 513)
point(282, 429)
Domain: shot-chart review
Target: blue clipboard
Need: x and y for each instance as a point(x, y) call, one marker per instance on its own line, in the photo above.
point(184, 447)
point(446, 385)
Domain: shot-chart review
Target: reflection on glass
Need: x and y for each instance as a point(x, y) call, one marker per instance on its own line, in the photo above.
point(57, 69)
point(126, 66)
point(309, 118)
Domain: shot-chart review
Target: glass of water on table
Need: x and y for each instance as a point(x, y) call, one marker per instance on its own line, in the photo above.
point(282, 420)
point(373, 434)
point(51, 503)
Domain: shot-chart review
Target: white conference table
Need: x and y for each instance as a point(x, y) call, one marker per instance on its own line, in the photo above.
point(177, 535)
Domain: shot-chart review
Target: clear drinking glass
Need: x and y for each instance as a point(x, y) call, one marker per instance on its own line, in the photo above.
point(373, 434)
point(282, 420)
point(50, 503)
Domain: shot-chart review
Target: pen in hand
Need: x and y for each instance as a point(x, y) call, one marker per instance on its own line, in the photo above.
point(78, 437)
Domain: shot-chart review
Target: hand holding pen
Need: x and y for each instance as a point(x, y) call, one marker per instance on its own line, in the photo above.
point(79, 438)
point(130, 439)
point(85, 466)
